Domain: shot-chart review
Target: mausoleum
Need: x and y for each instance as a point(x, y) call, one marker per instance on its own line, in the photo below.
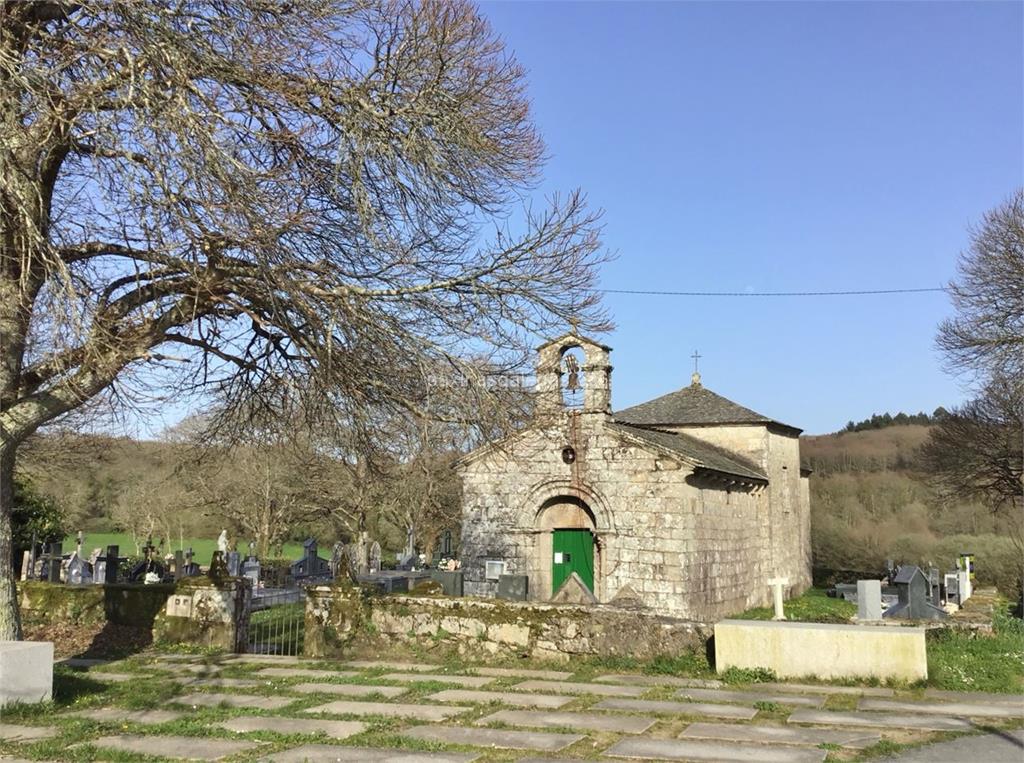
point(686, 505)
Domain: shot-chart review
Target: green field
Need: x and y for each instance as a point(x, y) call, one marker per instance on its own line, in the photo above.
point(202, 547)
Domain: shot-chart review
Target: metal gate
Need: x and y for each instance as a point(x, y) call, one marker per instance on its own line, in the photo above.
point(277, 622)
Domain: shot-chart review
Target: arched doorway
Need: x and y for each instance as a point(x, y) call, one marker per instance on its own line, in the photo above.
point(567, 532)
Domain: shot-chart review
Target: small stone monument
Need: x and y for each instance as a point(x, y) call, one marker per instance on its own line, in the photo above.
point(234, 564)
point(778, 584)
point(77, 571)
point(374, 558)
point(218, 566)
point(869, 600)
point(251, 570)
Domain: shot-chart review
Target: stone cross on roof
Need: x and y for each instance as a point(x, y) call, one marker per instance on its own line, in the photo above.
point(695, 379)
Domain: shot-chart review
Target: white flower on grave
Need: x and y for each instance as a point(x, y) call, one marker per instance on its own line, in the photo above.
point(151, 577)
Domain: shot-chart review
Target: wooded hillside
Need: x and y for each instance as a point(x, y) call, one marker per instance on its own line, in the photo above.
point(872, 501)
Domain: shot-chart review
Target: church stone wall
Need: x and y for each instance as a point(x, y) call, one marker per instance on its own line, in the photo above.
point(684, 547)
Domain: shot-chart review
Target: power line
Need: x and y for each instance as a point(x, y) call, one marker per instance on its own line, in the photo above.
point(849, 293)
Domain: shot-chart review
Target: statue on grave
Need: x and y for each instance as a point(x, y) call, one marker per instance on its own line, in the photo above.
point(222, 542)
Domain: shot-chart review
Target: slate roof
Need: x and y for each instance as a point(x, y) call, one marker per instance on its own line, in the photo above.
point(704, 454)
point(691, 405)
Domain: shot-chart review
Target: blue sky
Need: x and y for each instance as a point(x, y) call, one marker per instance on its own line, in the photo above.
point(779, 147)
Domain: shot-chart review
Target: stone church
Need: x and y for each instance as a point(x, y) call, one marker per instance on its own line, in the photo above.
point(686, 505)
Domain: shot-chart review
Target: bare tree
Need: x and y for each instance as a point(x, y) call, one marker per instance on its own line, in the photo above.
point(986, 337)
point(241, 196)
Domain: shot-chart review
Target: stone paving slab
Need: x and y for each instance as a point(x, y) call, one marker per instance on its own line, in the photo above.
point(731, 712)
point(13, 732)
point(720, 752)
point(998, 747)
point(253, 701)
point(336, 729)
point(306, 673)
point(544, 675)
point(503, 738)
point(325, 753)
point(631, 679)
point(169, 657)
point(737, 732)
point(424, 667)
point(82, 662)
point(235, 683)
point(468, 682)
point(974, 696)
point(971, 710)
point(571, 687)
point(273, 659)
point(188, 748)
point(548, 701)
point(122, 715)
point(750, 697)
point(867, 691)
point(879, 720)
point(102, 675)
point(412, 712)
point(200, 669)
point(349, 690)
point(620, 724)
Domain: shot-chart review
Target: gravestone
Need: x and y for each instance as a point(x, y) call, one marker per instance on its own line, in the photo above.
point(373, 561)
point(110, 564)
point(408, 557)
point(26, 565)
point(914, 592)
point(55, 560)
point(218, 565)
point(337, 559)
point(251, 570)
point(361, 551)
point(77, 571)
point(513, 587)
point(234, 564)
point(310, 565)
point(179, 564)
point(777, 585)
point(935, 586)
point(869, 600)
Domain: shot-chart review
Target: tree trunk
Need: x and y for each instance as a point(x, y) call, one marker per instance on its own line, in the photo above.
point(10, 621)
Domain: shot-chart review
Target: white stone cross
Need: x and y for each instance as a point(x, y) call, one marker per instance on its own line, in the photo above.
point(778, 583)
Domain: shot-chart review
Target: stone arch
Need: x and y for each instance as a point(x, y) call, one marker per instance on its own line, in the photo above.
point(543, 492)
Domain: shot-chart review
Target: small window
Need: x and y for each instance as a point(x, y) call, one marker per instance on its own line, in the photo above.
point(493, 570)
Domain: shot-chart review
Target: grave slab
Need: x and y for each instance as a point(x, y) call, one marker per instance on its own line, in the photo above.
point(336, 729)
point(548, 701)
point(121, 715)
point(468, 682)
point(349, 690)
point(325, 753)
point(971, 710)
point(26, 672)
point(101, 675)
point(235, 683)
point(570, 687)
point(720, 752)
point(732, 712)
point(234, 700)
point(629, 679)
point(750, 697)
point(305, 673)
point(424, 667)
point(622, 724)
point(187, 748)
point(12, 732)
point(415, 712)
point(867, 691)
point(880, 720)
point(735, 732)
point(544, 675)
point(975, 696)
point(507, 739)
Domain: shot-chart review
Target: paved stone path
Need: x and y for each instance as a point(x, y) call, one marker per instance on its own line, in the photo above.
point(243, 713)
point(1003, 747)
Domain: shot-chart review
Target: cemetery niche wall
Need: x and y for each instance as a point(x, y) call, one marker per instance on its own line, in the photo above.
point(685, 505)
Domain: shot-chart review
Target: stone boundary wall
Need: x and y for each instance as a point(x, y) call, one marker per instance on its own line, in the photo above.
point(341, 618)
point(120, 603)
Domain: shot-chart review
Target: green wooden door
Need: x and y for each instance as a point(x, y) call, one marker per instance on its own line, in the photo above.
point(572, 551)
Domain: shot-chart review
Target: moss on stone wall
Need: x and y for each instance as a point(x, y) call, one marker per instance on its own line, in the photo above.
point(124, 604)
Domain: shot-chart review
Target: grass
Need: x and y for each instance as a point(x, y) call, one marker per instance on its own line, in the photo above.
point(813, 606)
point(202, 547)
point(964, 661)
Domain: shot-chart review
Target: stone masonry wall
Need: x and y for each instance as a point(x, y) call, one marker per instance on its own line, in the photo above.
point(343, 619)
